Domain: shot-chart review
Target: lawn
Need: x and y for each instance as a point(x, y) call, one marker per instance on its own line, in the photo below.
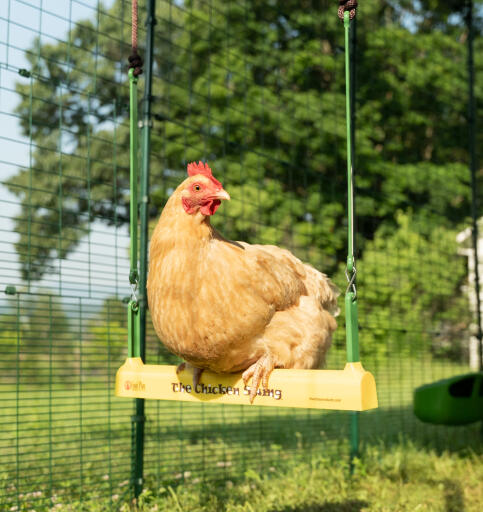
point(69, 449)
point(402, 478)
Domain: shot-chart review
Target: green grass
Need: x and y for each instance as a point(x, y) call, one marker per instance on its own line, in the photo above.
point(403, 478)
point(64, 449)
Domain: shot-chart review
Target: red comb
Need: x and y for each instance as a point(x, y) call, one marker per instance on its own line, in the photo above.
point(201, 168)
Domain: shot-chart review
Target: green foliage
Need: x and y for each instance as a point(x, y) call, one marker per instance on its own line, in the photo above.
point(105, 340)
point(262, 98)
point(258, 90)
point(410, 291)
point(42, 341)
point(36, 338)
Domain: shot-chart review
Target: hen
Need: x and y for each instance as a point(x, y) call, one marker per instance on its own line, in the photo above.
point(231, 306)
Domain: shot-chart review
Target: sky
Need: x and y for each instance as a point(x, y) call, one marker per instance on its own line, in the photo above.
point(99, 267)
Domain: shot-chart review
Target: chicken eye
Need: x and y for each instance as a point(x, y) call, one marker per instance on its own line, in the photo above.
point(196, 188)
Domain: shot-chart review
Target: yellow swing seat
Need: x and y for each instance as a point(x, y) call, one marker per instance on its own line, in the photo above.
point(352, 388)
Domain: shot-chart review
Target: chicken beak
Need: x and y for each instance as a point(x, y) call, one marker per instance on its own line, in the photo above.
point(223, 194)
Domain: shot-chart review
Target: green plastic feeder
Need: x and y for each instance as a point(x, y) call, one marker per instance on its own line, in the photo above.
point(454, 401)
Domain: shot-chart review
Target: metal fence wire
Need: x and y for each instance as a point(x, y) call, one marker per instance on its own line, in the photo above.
point(257, 90)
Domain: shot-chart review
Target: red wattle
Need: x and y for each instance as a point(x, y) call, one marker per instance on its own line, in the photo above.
point(210, 207)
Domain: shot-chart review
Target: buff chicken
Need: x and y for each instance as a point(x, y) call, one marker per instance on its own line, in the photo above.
point(230, 306)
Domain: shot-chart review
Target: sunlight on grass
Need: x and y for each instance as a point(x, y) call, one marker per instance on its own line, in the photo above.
point(74, 444)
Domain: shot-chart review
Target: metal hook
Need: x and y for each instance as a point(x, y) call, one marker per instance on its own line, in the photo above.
point(134, 289)
point(351, 279)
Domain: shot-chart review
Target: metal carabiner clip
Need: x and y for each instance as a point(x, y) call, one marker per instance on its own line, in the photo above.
point(351, 279)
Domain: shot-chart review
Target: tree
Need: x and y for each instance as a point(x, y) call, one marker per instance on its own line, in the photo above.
point(256, 89)
point(39, 341)
point(105, 340)
point(410, 289)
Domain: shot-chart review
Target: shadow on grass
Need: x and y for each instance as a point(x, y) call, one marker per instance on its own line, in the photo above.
point(343, 506)
point(385, 426)
point(226, 444)
point(453, 496)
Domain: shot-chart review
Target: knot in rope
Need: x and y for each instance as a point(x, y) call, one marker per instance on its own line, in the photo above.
point(136, 63)
point(347, 5)
point(135, 60)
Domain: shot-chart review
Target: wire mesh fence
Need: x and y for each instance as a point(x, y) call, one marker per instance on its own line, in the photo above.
point(257, 90)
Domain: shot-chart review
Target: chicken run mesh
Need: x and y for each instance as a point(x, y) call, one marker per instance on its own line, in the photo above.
point(257, 90)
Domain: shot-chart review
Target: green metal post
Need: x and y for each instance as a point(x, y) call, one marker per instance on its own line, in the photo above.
point(131, 326)
point(133, 177)
point(350, 188)
point(143, 254)
point(473, 166)
point(145, 152)
point(352, 336)
point(134, 344)
point(351, 328)
point(352, 74)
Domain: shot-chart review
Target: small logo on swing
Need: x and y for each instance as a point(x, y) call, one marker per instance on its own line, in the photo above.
point(134, 386)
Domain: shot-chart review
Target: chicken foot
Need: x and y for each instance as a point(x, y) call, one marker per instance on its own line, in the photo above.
point(196, 372)
point(259, 372)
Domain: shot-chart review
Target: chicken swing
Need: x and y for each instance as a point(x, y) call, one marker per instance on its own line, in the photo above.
point(352, 388)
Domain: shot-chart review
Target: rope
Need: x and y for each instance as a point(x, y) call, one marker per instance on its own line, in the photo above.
point(134, 32)
point(347, 5)
point(135, 60)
